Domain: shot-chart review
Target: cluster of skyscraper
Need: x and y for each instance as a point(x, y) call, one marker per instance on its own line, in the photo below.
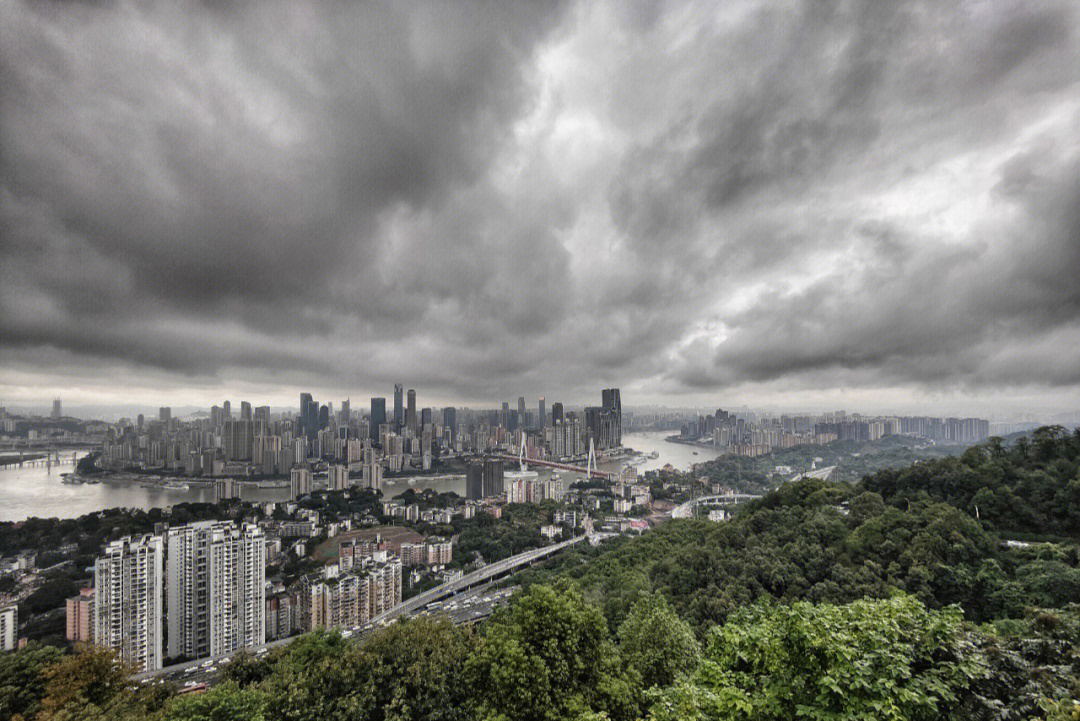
point(258, 444)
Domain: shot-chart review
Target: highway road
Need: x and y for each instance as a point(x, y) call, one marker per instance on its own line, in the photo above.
point(469, 586)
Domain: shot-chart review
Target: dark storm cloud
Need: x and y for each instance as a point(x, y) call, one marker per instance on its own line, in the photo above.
point(177, 163)
point(496, 198)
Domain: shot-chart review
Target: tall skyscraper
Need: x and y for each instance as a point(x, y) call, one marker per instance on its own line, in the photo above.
point(245, 411)
point(226, 410)
point(305, 401)
point(474, 481)
point(217, 598)
point(127, 600)
point(238, 437)
point(410, 412)
point(556, 412)
point(309, 416)
point(164, 414)
point(337, 478)
point(612, 403)
point(378, 417)
point(57, 408)
point(300, 482)
point(449, 416)
point(541, 415)
point(493, 478)
point(372, 474)
point(399, 407)
point(345, 414)
point(521, 411)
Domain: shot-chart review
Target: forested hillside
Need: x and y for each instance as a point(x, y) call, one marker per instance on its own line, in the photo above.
point(1031, 486)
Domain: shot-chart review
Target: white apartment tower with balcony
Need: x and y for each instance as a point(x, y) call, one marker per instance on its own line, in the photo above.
point(9, 628)
point(128, 595)
point(216, 588)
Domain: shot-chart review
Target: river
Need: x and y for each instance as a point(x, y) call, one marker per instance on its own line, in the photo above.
point(38, 490)
point(680, 455)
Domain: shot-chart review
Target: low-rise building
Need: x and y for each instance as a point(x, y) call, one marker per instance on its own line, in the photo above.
point(351, 598)
point(80, 616)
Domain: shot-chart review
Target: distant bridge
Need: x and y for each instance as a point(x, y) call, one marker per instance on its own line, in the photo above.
point(38, 458)
point(554, 464)
point(686, 510)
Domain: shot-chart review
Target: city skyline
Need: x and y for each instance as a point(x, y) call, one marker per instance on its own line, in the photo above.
point(1061, 413)
point(860, 205)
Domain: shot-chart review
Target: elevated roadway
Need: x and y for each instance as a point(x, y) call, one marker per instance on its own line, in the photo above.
point(197, 670)
point(686, 510)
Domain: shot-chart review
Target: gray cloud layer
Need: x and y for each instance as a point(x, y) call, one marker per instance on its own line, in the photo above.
point(499, 198)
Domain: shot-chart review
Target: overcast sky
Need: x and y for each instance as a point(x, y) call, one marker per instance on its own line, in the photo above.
point(862, 205)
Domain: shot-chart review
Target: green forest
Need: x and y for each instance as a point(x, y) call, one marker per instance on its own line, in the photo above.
point(905, 595)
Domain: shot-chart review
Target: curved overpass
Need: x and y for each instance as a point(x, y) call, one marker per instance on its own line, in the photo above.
point(686, 510)
point(481, 575)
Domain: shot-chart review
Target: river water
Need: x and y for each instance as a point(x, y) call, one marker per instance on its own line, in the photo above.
point(38, 490)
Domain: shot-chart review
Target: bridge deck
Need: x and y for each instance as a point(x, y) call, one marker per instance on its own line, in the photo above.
point(555, 464)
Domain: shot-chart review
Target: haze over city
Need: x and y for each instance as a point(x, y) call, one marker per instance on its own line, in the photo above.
point(871, 206)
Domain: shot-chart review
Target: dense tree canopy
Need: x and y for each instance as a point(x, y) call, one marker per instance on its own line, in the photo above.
point(891, 660)
point(1031, 486)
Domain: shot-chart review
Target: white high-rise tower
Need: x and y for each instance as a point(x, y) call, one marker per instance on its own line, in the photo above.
point(127, 600)
point(216, 575)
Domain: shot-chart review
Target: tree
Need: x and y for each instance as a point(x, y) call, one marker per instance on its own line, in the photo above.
point(541, 659)
point(413, 670)
point(657, 643)
point(891, 659)
point(22, 679)
point(867, 505)
point(245, 670)
point(89, 684)
point(226, 702)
